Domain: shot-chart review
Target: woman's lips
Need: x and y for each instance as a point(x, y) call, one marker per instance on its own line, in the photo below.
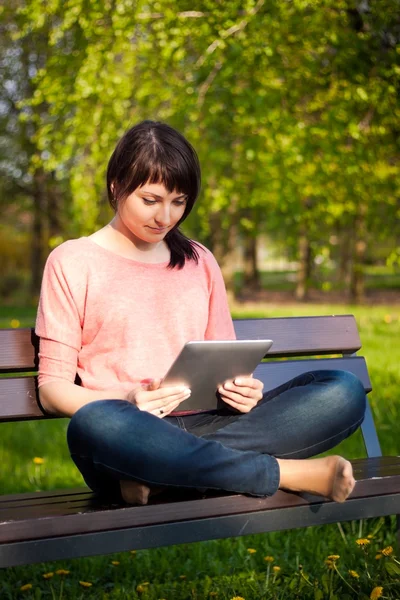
point(158, 229)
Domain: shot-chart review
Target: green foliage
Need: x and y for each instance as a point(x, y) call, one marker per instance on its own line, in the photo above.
point(293, 106)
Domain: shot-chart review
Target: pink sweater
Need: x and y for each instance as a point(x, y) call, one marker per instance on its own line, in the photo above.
point(115, 321)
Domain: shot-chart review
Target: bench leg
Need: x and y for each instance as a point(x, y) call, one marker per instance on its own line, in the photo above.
point(370, 436)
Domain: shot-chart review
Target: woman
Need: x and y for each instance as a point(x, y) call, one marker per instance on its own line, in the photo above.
point(116, 308)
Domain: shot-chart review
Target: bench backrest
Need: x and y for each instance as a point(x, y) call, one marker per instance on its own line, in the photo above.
point(332, 341)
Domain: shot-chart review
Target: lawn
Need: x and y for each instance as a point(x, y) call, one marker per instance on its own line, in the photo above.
point(224, 569)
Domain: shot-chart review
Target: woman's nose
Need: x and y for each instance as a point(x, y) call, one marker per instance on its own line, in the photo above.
point(163, 216)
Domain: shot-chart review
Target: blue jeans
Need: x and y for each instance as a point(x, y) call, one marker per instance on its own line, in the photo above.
point(112, 440)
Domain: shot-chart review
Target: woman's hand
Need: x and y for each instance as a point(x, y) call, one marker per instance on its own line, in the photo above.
point(242, 393)
point(158, 401)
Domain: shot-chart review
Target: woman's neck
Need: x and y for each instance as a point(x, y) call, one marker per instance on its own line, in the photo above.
point(112, 237)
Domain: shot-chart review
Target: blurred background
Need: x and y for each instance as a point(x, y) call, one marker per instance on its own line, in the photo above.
point(293, 107)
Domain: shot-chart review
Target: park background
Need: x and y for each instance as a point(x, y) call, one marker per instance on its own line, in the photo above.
point(293, 107)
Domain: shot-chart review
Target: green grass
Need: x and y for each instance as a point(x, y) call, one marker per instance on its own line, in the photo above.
point(376, 279)
point(224, 567)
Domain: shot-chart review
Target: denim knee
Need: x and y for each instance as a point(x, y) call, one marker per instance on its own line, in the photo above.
point(348, 395)
point(92, 424)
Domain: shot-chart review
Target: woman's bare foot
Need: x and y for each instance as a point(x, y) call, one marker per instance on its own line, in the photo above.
point(134, 492)
point(331, 477)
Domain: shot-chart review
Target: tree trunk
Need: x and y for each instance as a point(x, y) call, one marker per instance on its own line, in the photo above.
point(53, 207)
point(223, 245)
point(345, 260)
point(357, 280)
point(251, 274)
point(304, 272)
point(39, 202)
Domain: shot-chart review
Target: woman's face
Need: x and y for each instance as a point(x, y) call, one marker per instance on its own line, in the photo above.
point(150, 212)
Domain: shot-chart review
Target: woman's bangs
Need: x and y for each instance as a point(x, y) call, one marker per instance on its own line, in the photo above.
point(172, 176)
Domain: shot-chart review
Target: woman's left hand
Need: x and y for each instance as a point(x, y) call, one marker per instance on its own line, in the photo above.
point(242, 393)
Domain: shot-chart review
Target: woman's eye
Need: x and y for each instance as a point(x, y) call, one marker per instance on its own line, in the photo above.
point(149, 202)
point(180, 202)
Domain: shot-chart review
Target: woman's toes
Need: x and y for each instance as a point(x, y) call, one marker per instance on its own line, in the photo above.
point(343, 483)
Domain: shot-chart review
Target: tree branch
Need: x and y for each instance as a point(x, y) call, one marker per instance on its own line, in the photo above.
point(185, 14)
point(228, 32)
point(205, 86)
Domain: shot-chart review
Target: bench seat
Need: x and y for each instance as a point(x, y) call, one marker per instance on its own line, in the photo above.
point(53, 525)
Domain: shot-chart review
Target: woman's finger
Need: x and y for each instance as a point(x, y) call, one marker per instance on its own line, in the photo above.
point(240, 406)
point(238, 398)
point(249, 382)
point(145, 402)
point(150, 384)
point(164, 393)
point(230, 388)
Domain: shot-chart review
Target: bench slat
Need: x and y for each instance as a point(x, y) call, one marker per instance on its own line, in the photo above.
point(17, 349)
point(274, 374)
point(50, 524)
point(195, 530)
point(303, 335)
point(292, 336)
point(18, 394)
point(65, 502)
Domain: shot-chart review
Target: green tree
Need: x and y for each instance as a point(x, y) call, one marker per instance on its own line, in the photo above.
point(292, 106)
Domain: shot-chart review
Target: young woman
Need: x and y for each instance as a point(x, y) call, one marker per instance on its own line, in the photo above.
point(115, 310)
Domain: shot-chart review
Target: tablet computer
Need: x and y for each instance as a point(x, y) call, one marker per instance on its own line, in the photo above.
point(203, 366)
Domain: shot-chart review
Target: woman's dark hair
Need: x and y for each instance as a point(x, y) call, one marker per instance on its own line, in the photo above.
point(153, 152)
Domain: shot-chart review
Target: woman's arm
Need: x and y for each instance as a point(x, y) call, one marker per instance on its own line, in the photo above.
point(64, 398)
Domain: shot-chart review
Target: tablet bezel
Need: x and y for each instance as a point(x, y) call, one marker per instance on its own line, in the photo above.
point(203, 365)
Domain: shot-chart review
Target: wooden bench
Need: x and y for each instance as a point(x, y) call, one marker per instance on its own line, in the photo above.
point(71, 523)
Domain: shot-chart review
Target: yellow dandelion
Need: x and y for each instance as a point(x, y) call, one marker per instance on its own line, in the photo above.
point(85, 584)
point(354, 574)
point(38, 460)
point(115, 563)
point(26, 587)
point(269, 558)
point(182, 576)
point(387, 551)
point(333, 557)
point(378, 556)
point(132, 552)
point(251, 550)
point(387, 318)
point(376, 593)
point(237, 598)
point(141, 587)
point(363, 542)
point(48, 575)
point(370, 536)
point(62, 572)
point(276, 569)
point(329, 564)
point(15, 323)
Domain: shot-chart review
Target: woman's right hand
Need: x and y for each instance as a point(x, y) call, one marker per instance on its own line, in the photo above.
point(158, 401)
